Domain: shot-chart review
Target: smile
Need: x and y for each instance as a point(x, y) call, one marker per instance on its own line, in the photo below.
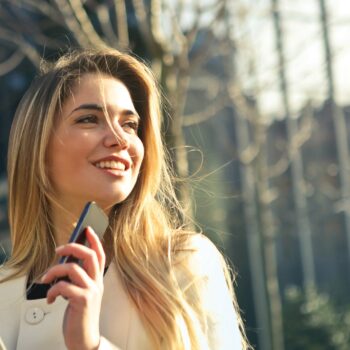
point(112, 165)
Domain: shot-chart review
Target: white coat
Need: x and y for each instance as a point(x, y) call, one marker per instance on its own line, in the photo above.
point(35, 325)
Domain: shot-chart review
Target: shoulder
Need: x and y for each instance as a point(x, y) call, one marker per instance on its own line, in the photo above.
point(202, 274)
point(201, 268)
point(6, 271)
point(200, 256)
point(11, 288)
point(202, 245)
point(9, 273)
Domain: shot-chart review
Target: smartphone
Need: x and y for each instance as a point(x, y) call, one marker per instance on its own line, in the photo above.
point(93, 216)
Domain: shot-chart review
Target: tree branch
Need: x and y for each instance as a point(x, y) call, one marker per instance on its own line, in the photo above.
point(144, 27)
point(11, 63)
point(122, 23)
point(79, 23)
point(22, 45)
point(104, 19)
point(38, 6)
point(156, 28)
point(72, 23)
point(86, 24)
point(214, 106)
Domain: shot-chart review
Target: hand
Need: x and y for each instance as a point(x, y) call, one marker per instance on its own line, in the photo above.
point(83, 291)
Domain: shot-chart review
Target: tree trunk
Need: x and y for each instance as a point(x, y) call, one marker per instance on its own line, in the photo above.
point(340, 127)
point(255, 255)
point(300, 203)
point(269, 242)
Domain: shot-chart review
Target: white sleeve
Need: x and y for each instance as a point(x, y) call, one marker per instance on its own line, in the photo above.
point(2, 345)
point(209, 286)
point(105, 345)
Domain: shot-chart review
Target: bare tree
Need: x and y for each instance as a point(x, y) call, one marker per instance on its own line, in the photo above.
point(30, 26)
point(251, 133)
point(300, 204)
point(339, 123)
point(253, 226)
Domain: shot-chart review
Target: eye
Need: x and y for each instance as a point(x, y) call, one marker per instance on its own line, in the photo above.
point(131, 126)
point(87, 119)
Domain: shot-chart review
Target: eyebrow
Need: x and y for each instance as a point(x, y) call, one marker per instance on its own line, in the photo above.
point(96, 107)
point(88, 106)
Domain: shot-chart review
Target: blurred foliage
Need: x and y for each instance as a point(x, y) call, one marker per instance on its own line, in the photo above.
point(313, 321)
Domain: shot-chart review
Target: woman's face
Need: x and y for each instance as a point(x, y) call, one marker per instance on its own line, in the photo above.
point(95, 152)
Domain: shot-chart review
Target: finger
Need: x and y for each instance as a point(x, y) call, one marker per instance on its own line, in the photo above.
point(96, 245)
point(66, 290)
point(73, 271)
point(88, 257)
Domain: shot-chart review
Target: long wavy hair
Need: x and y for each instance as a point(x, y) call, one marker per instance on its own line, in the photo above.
point(146, 230)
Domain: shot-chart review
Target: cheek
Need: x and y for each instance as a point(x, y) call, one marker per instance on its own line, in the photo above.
point(138, 153)
point(58, 169)
point(63, 160)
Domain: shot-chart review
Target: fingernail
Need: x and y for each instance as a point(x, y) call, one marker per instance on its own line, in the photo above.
point(43, 277)
point(59, 248)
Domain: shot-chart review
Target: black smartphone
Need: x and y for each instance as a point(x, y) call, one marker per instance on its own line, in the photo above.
point(93, 216)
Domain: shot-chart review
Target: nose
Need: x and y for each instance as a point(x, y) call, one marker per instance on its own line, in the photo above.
point(116, 137)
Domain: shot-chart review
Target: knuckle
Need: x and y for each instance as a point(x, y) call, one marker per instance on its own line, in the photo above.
point(50, 291)
point(91, 253)
point(91, 256)
point(84, 299)
point(60, 285)
point(73, 266)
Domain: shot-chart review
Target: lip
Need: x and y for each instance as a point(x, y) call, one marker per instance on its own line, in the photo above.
point(126, 163)
point(114, 172)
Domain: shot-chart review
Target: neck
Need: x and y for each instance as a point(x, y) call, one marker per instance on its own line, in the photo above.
point(64, 220)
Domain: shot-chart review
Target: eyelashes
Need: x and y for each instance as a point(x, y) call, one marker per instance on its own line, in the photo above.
point(131, 125)
point(87, 119)
point(91, 120)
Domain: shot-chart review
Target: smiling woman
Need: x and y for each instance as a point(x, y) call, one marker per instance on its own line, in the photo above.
point(96, 151)
point(89, 130)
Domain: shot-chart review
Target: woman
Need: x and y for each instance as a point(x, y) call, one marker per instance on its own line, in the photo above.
point(89, 130)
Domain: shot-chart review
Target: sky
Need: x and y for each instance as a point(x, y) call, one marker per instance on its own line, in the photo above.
point(257, 60)
point(304, 52)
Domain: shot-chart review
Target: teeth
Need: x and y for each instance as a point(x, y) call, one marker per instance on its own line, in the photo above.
point(110, 165)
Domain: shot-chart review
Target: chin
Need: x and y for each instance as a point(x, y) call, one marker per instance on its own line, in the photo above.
point(107, 202)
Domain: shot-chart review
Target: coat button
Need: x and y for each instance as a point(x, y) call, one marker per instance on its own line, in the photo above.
point(34, 315)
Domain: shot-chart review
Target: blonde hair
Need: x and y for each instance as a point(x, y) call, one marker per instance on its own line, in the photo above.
point(146, 231)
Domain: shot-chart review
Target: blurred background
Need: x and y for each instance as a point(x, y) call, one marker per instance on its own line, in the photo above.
point(259, 97)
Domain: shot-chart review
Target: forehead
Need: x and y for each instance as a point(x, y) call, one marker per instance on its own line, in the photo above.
point(99, 89)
